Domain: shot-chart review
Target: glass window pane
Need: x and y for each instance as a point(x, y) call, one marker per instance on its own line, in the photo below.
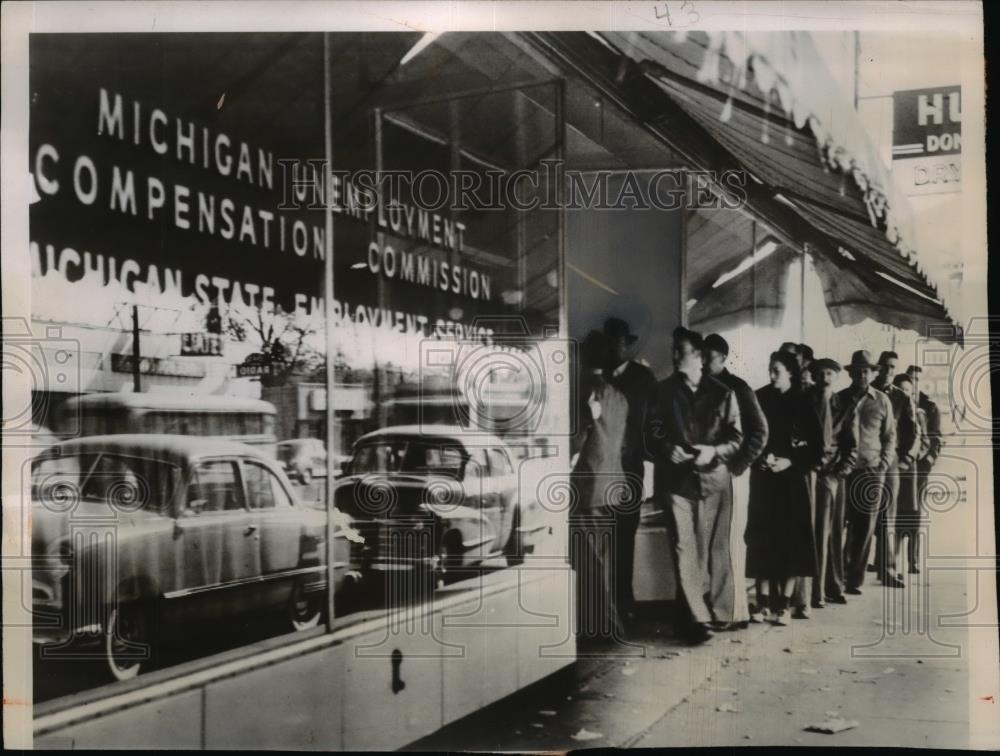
point(280, 496)
point(258, 481)
point(220, 485)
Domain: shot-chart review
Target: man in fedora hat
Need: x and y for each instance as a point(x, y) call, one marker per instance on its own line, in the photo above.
point(637, 382)
point(932, 416)
point(907, 443)
point(839, 457)
point(727, 552)
point(875, 434)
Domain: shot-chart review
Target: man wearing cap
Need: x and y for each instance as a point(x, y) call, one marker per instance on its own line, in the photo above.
point(839, 456)
point(806, 357)
point(907, 443)
point(693, 434)
point(875, 432)
point(727, 553)
point(638, 384)
point(927, 461)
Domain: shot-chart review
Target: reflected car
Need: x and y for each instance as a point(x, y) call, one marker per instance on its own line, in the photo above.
point(132, 534)
point(303, 458)
point(436, 499)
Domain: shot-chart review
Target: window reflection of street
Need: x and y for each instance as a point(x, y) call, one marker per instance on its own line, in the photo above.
point(54, 678)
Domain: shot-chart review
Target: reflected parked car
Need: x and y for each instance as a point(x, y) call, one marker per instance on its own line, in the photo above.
point(303, 459)
point(136, 533)
point(434, 498)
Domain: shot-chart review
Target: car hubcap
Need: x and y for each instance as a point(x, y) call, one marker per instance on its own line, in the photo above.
point(305, 612)
point(127, 641)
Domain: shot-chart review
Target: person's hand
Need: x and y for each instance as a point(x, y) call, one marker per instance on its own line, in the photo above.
point(780, 464)
point(705, 456)
point(595, 407)
point(678, 456)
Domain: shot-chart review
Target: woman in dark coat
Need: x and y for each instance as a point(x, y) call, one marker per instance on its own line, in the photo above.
point(597, 478)
point(780, 538)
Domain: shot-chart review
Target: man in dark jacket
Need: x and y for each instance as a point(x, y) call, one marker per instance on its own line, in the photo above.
point(638, 384)
point(839, 456)
point(693, 434)
point(907, 441)
point(727, 554)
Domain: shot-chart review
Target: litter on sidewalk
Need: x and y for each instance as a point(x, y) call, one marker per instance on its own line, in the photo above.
point(833, 725)
point(585, 734)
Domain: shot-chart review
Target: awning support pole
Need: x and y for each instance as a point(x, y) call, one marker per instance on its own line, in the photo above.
point(802, 295)
point(753, 273)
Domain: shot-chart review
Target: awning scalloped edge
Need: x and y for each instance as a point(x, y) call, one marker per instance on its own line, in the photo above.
point(845, 148)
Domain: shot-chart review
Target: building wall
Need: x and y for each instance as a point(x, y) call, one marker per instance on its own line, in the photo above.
point(626, 264)
point(344, 691)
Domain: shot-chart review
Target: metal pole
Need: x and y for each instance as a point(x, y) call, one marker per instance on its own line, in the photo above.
point(753, 273)
point(802, 294)
point(857, 66)
point(136, 376)
point(560, 155)
point(331, 435)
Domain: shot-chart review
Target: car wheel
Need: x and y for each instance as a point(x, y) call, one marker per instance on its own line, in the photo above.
point(128, 640)
point(513, 550)
point(305, 608)
point(306, 476)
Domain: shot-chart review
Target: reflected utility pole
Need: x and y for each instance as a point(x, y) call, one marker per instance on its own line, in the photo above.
point(331, 418)
point(136, 375)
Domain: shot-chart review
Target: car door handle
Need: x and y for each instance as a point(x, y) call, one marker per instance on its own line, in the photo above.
point(251, 529)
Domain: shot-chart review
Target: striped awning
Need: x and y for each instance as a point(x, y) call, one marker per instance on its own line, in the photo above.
point(765, 104)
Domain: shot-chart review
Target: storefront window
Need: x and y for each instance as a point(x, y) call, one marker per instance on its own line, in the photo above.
point(167, 257)
point(449, 365)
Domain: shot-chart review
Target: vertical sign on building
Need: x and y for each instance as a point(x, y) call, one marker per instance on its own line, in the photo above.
point(927, 139)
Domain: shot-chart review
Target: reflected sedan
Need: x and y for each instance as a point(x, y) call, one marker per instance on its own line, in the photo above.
point(132, 534)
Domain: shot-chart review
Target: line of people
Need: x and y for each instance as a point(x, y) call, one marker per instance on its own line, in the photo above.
point(788, 485)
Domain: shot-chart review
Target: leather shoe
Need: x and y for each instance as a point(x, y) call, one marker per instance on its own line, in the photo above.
point(800, 612)
point(838, 599)
point(697, 635)
point(870, 568)
point(914, 570)
point(892, 582)
point(727, 627)
point(853, 591)
point(818, 604)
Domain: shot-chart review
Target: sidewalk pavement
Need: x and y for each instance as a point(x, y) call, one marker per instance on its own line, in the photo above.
point(880, 660)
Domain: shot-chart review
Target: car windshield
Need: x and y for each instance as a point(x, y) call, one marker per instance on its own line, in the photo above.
point(127, 482)
point(407, 455)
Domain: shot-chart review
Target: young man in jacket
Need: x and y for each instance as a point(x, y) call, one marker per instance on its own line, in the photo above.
point(727, 561)
point(839, 457)
point(693, 434)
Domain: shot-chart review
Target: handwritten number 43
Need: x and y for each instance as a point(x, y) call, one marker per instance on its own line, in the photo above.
point(687, 15)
